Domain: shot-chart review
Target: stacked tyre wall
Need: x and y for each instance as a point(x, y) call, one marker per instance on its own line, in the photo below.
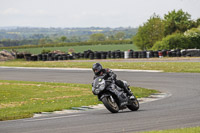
point(110, 55)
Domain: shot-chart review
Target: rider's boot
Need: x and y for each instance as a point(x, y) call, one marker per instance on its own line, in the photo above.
point(129, 93)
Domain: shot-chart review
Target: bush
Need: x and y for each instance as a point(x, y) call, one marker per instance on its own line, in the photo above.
point(45, 51)
point(174, 41)
point(159, 45)
point(193, 35)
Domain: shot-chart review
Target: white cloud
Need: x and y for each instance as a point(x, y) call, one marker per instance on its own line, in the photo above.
point(10, 11)
point(81, 13)
point(40, 12)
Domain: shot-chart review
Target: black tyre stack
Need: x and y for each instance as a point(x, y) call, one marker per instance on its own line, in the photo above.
point(20, 56)
point(135, 54)
point(164, 52)
point(97, 55)
point(142, 54)
point(103, 55)
point(178, 53)
point(50, 57)
point(130, 54)
point(113, 55)
point(44, 57)
point(118, 54)
point(86, 54)
point(109, 55)
point(34, 57)
point(27, 57)
point(184, 52)
point(150, 54)
point(39, 57)
point(173, 53)
point(122, 54)
point(91, 55)
point(155, 54)
point(169, 53)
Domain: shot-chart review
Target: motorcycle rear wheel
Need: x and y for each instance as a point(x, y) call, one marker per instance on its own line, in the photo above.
point(134, 105)
point(110, 105)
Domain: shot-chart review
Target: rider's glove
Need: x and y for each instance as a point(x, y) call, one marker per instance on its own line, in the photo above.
point(113, 77)
point(110, 78)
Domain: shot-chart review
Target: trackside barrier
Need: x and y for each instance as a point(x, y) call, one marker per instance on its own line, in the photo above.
point(111, 55)
point(126, 54)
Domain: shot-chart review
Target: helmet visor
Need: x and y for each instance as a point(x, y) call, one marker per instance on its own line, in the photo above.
point(96, 70)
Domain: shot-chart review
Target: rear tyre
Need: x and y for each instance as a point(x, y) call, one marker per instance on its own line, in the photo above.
point(134, 106)
point(110, 104)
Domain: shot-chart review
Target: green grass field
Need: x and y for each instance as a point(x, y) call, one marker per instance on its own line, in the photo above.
point(182, 130)
point(122, 47)
point(20, 99)
point(192, 67)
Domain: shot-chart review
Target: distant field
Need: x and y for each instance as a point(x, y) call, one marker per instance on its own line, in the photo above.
point(122, 47)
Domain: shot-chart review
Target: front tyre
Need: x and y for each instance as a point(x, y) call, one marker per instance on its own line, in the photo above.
point(134, 106)
point(110, 104)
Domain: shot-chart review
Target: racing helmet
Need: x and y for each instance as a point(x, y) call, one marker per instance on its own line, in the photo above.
point(97, 68)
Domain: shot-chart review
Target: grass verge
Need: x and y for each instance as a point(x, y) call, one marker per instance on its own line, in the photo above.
point(182, 130)
point(192, 67)
point(21, 99)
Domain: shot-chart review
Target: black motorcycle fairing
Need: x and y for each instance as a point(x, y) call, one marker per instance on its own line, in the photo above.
point(122, 99)
point(102, 88)
point(104, 95)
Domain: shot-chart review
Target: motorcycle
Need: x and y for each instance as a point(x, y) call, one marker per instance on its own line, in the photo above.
point(113, 97)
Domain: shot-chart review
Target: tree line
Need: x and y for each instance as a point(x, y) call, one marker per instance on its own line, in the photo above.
point(175, 31)
point(42, 36)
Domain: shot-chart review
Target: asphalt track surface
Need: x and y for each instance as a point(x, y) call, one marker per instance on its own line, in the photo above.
point(181, 109)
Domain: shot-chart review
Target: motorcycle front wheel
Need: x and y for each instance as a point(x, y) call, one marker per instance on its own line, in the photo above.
point(110, 104)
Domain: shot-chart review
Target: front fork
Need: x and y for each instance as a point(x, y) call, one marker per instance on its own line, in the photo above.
point(112, 100)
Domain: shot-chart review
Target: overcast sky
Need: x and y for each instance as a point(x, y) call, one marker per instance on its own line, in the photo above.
point(87, 13)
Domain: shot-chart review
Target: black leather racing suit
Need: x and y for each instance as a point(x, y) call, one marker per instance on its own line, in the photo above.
point(110, 74)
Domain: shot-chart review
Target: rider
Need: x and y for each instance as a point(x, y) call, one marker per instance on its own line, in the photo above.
point(99, 71)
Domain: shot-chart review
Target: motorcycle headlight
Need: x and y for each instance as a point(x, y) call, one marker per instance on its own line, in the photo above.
point(96, 91)
point(98, 87)
point(102, 86)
